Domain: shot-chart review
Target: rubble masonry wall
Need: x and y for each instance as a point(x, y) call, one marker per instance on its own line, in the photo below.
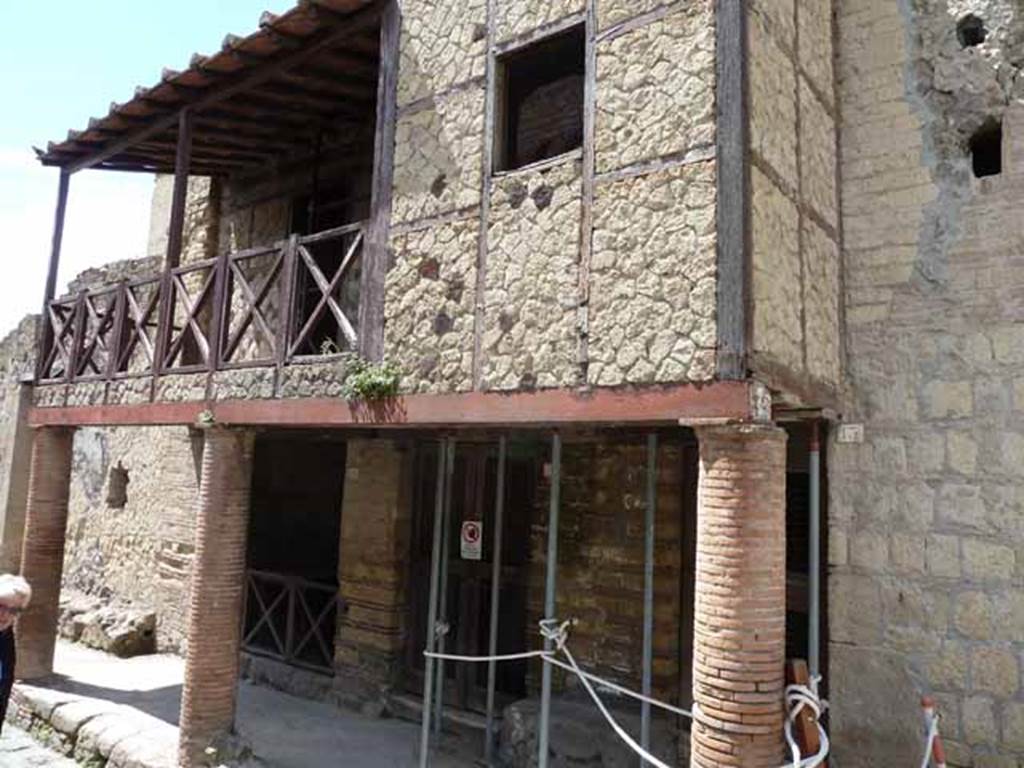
point(539, 322)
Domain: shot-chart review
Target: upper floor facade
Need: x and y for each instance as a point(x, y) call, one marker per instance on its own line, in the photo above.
point(494, 196)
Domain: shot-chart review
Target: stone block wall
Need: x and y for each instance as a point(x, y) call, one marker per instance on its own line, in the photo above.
point(17, 358)
point(514, 289)
point(794, 197)
point(926, 550)
point(140, 552)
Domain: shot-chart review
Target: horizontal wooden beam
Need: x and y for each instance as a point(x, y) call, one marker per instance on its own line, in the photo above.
point(725, 401)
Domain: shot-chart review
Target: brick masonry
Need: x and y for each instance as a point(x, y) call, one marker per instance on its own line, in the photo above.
point(740, 609)
point(215, 601)
point(372, 568)
point(42, 557)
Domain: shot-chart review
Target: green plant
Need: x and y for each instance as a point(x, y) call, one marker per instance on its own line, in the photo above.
point(365, 380)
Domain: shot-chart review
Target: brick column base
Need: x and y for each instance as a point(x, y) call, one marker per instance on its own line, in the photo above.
point(217, 592)
point(42, 556)
point(739, 639)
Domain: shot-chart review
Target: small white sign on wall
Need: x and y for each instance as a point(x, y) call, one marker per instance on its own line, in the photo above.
point(472, 540)
point(850, 434)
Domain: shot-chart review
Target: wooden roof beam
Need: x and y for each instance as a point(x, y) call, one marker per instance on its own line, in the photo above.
point(360, 21)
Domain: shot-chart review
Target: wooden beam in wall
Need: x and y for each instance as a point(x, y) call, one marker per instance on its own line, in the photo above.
point(733, 179)
point(375, 265)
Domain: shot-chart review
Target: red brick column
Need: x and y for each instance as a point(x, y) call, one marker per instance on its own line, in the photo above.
point(42, 555)
point(217, 592)
point(739, 638)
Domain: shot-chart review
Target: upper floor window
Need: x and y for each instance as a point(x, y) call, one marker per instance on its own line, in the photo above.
point(541, 100)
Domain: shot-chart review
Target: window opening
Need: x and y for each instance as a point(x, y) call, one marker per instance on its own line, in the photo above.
point(970, 31)
point(542, 100)
point(986, 147)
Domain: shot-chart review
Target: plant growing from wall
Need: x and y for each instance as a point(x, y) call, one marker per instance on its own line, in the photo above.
point(364, 380)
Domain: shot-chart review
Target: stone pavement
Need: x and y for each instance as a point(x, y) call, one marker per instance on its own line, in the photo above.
point(123, 713)
point(19, 750)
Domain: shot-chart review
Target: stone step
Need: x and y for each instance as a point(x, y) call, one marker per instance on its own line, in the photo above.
point(468, 728)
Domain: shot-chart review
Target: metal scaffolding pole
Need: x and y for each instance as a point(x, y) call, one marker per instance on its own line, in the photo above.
point(492, 649)
point(443, 480)
point(549, 597)
point(443, 587)
point(814, 558)
point(648, 654)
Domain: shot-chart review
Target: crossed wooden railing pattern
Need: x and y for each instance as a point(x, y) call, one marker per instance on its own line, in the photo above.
point(263, 306)
point(291, 619)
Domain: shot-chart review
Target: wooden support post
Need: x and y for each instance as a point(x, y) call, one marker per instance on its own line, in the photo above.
point(375, 255)
point(733, 210)
point(182, 161)
point(175, 239)
point(45, 332)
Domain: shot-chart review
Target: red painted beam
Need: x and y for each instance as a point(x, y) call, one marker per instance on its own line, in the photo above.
point(726, 400)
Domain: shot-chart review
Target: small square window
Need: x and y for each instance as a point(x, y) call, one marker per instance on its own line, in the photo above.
point(986, 147)
point(541, 100)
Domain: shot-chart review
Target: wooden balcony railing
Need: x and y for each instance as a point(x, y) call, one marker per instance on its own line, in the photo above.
point(295, 301)
point(291, 619)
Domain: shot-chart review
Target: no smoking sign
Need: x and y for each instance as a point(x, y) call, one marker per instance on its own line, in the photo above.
point(472, 540)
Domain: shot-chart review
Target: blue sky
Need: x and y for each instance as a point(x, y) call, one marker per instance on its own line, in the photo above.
point(60, 64)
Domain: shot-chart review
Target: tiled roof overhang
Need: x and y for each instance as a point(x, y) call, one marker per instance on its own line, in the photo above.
point(309, 71)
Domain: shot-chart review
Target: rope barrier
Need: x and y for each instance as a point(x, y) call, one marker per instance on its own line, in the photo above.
point(557, 632)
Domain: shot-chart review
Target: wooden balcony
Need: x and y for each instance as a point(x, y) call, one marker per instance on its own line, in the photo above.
point(293, 302)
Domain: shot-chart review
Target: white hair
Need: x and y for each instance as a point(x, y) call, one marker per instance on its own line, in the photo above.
point(14, 590)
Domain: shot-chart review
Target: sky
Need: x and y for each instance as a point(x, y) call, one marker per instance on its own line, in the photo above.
point(61, 63)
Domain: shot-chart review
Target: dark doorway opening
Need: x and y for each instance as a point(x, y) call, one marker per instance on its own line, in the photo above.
point(291, 596)
point(474, 485)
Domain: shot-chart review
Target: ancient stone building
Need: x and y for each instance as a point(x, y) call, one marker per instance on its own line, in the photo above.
point(700, 324)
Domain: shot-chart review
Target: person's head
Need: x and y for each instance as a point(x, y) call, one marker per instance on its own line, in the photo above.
point(15, 595)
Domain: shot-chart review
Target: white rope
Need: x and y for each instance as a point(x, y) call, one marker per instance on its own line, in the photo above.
point(797, 696)
point(485, 659)
point(559, 637)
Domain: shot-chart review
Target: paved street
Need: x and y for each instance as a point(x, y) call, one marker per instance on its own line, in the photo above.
point(18, 750)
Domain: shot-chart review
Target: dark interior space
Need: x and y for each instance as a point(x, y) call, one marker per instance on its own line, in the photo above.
point(986, 148)
point(296, 507)
point(292, 585)
point(543, 100)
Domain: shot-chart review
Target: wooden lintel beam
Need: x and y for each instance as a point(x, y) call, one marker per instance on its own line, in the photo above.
point(353, 24)
point(723, 401)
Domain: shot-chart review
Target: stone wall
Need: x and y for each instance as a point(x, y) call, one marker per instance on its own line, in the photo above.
point(17, 357)
point(498, 262)
point(926, 538)
point(794, 217)
point(139, 551)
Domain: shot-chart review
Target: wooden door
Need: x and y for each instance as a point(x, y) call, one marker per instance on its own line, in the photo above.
point(474, 485)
